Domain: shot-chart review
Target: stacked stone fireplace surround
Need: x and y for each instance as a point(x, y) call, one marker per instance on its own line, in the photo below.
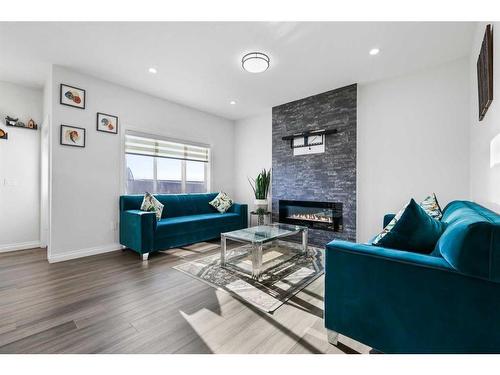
point(328, 176)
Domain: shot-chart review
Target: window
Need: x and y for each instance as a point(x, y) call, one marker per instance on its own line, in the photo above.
point(169, 176)
point(162, 166)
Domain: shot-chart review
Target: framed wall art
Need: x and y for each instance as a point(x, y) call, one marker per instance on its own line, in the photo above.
point(485, 73)
point(72, 136)
point(107, 123)
point(72, 96)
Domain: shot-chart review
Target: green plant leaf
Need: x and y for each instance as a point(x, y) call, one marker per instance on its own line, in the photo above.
point(261, 183)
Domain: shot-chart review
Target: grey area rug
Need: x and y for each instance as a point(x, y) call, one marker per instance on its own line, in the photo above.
point(286, 272)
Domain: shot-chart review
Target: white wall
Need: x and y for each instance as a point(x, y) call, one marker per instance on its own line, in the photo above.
point(253, 152)
point(485, 134)
point(19, 169)
point(86, 183)
point(412, 141)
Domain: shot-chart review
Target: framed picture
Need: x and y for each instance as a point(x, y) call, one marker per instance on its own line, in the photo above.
point(72, 96)
point(107, 123)
point(485, 73)
point(72, 136)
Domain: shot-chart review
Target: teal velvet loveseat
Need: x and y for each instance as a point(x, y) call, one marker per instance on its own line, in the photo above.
point(186, 219)
point(403, 302)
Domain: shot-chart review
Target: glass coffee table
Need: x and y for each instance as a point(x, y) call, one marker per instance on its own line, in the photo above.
point(256, 237)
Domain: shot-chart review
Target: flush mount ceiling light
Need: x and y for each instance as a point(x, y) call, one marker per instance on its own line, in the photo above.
point(232, 102)
point(255, 62)
point(152, 70)
point(374, 51)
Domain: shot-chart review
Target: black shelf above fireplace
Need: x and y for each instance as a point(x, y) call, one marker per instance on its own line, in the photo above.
point(312, 214)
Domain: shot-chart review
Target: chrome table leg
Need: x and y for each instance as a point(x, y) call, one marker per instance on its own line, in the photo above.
point(223, 241)
point(256, 261)
point(305, 241)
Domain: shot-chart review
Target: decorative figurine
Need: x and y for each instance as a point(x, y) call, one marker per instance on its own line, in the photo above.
point(32, 124)
point(11, 121)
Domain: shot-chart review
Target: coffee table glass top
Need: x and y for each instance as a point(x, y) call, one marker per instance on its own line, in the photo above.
point(264, 233)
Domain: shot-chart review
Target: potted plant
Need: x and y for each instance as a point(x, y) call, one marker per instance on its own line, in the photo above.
point(260, 215)
point(260, 186)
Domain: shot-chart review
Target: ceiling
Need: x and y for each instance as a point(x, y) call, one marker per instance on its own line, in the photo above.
point(199, 63)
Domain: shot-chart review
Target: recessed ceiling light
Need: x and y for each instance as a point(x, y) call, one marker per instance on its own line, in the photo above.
point(255, 62)
point(374, 51)
point(233, 102)
point(152, 70)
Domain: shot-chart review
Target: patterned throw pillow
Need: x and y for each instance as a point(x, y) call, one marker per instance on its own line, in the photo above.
point(389, 226)
point(151, 204)
point(221, 202)
point(430, 206)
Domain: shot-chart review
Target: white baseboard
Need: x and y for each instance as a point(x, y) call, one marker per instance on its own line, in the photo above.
point(54, 258)
point(19, 246)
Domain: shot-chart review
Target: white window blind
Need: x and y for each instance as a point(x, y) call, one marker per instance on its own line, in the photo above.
point(165, 166)
point(145, 146)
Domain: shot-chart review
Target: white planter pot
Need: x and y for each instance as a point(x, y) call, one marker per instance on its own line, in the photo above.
point(260, 203)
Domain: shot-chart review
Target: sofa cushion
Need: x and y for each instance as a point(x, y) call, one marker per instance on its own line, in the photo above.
point(184, 224)
point(186, 204)
point(471, 241)
point(414, 231)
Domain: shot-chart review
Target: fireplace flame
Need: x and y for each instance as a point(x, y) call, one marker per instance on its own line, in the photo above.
point(311, 217)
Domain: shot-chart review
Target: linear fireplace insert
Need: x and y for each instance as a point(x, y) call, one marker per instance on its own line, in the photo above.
point(313, 214)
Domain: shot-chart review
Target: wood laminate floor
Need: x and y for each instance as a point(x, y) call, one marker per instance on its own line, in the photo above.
point(115, 303)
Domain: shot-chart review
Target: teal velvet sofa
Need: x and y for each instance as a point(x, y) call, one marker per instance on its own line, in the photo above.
point(186, 219)
point(402, 302)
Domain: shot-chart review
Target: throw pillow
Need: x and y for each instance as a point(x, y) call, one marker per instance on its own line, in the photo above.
point(414, 231)
point(221, 202)
point(389, 226)
point(431, 207)
point(151, 204)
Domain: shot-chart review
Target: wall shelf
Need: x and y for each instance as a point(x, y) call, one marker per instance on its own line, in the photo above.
point(14, 122)
point(24, 127)
point(308, 134)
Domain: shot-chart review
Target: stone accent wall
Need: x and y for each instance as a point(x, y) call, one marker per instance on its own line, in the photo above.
point(330, 176)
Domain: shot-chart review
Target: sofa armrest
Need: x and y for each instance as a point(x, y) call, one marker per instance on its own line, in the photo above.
point(137, 230)
point(236, 208)
point(388, 218)
point(242, 210)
